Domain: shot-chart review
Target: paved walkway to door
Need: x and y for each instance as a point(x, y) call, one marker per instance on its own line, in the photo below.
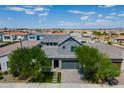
point(71, 76)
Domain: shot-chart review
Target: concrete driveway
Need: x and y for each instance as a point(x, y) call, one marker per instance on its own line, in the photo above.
point(71, 76)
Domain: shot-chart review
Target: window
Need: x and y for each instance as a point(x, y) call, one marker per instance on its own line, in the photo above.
point(55, 44)
point(73, 48)
point(32, 37)
point(63, 47)
point(51, 44)
point(6, 37)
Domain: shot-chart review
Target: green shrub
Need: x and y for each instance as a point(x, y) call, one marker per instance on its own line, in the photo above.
point(5, 73)
point(1, 76)
point(110, 43)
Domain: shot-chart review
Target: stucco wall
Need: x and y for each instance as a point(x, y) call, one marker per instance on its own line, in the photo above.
point(3, 63)
point(7, 40)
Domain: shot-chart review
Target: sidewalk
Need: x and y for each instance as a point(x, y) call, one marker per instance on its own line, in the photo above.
point(49, 85)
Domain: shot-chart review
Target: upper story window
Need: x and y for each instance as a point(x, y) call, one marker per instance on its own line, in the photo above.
point(73, 48)
point(64, 47)
point(51, 44)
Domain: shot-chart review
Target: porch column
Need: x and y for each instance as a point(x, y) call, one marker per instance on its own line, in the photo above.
point(52, 64)
point(60, 64)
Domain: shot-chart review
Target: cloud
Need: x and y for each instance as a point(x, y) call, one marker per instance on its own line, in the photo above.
point(101, 21)
point(100, 15)
point(10, 18)
point(121, 15)
point(109, 17)
point(81, 12)
point(40, 9)
point(84, 18)
point(98, 23)
point(68, 24)
point(44, 14)
point(16, 9)
point(114, 13)
point(37, 10)
point(29, 12)
point(106, 6)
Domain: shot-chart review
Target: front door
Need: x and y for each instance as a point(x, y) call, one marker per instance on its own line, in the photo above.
point(56, 63)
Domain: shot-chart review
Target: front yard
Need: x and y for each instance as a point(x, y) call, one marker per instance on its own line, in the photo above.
point(9, 78)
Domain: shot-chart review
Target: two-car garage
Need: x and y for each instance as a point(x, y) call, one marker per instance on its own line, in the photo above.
point(70, 64)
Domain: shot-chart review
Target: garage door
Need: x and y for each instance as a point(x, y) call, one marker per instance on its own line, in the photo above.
point(69, 64)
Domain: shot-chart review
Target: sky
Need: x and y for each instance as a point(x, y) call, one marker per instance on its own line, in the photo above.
point(62, 16)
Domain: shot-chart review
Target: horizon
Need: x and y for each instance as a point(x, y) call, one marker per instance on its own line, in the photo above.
point(62, 16)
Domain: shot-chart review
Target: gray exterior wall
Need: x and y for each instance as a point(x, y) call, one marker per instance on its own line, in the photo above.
point(68, 44)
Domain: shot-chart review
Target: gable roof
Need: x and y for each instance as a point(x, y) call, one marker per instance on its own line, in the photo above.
point(60, 39)
point(54, 38)
point(68, 39)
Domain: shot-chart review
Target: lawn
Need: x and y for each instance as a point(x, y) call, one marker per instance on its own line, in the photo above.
point(59, 77)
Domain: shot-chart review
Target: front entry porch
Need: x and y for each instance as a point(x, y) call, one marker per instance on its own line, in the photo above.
point(56, 65)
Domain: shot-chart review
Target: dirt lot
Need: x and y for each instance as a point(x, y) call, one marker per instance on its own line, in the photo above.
point(10, 79)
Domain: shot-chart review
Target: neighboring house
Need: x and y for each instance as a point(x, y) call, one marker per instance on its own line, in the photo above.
point(6, 51)
point(77, 36)
point(1, 36)
point(11, 36)
point(88, 37)
point(115, 53)
point(118, 39)
point(35, 36)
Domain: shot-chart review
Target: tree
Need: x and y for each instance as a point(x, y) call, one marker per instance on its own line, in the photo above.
point(19, 62)
point(29, 62)
point(96, 66)
point(41, 63)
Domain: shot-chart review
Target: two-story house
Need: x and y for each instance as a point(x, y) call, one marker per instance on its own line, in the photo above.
point(60, 49)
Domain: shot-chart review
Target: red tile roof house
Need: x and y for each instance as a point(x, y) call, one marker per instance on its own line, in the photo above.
point(5, 51)
point(118, 39)
point(10, 36)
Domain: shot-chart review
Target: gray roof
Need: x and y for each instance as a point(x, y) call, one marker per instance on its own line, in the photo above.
point(55, 38)
point(6, 50)
point(52, 52)
point(112, 51)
